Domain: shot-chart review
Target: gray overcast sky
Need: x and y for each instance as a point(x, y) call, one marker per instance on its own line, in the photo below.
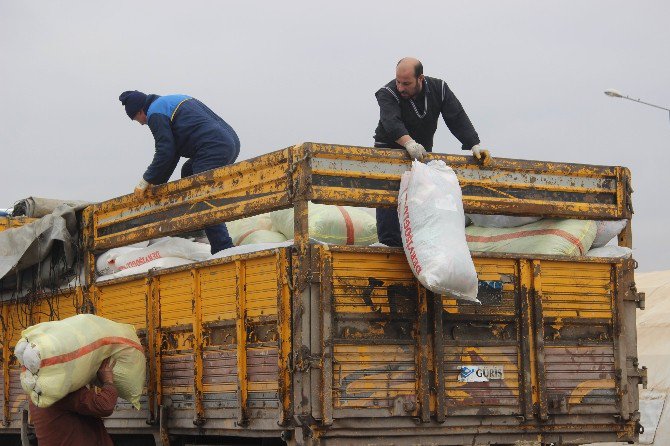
point(530, 74)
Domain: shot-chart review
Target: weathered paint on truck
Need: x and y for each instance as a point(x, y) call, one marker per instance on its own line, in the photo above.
point(339, 345)
point(14, 222)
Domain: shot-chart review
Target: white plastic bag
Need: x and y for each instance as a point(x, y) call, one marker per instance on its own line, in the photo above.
point(166, 247)
point(501, 221)
point(606, 230)
point(106, 262)
point(165, 262)
point(432, 226)
point(611, 251)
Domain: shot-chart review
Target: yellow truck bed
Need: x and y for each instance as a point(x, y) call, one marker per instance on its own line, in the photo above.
point(339, 345)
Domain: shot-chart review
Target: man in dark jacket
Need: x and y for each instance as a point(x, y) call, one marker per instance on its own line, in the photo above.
point(183, 126)
point(409, 109)
point(76, 420)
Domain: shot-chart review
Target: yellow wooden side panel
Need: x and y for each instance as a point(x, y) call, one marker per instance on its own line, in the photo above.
point(176, 298)
point(14, 222)
point(124, 302)
point(261, 286)
point(577, 290)
point(217, 290)
point(373, 376)
point(18, 319)
point(55, 308)
point(361, 281)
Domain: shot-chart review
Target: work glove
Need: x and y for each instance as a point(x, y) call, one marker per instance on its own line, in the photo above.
point(480, 154)
point(142, 188)
point(415, 150)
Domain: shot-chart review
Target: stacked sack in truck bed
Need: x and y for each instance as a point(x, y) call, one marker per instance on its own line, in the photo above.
point(342, 225)
point(531, 235)
point(140, 258)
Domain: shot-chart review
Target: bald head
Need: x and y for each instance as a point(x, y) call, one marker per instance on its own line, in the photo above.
point(409, 65)
point(409, 77)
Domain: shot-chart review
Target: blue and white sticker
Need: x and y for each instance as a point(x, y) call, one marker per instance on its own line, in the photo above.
point(480, 373)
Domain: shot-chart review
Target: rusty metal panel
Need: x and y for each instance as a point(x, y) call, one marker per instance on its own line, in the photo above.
point(375, 317)
point(375, 377)
point(284, 389)
point(17, 397)
point(368, 176)
point(578, 301)
point(220, 377)
point(262, 375)
point(580, 379)
point(227, 193)
point(177, 376)
point(495, 397)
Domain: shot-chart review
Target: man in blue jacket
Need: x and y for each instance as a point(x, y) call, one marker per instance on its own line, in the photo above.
point(183, 126)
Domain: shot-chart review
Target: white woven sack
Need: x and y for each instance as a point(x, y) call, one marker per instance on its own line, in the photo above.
point(166, 247)
point(432, 225)
point(606, 230)
point(106, 262)
point(501, 221)
point(69, 353)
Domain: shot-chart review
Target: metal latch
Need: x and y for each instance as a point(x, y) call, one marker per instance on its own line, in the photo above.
point(634, 296)
point(304, 360)
point(640, 374)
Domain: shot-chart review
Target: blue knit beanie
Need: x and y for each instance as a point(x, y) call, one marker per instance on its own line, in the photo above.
point(133, 101)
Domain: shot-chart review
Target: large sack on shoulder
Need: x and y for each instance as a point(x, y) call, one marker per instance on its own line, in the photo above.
point(432, 226)
point(63, 356)
point(340, 225)
point(500, 221)
point(545, 237)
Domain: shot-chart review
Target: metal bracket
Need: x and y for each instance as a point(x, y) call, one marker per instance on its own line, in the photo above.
point(640, 374)
point(304, 360)
point(632, 295)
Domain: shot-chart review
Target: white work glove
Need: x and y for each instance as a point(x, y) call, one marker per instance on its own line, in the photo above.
point(482, 155)
point(141, 188)
point(415, 150)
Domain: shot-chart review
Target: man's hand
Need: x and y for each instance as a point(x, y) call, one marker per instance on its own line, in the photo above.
point(142, 188)
point(106, 371)
point(482, 155)
point(415, 150)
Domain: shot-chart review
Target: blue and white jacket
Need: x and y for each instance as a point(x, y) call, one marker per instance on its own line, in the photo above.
point(183, 126)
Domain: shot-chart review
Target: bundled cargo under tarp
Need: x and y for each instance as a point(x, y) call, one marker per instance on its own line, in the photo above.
point(37, 207)
point(30, 244)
